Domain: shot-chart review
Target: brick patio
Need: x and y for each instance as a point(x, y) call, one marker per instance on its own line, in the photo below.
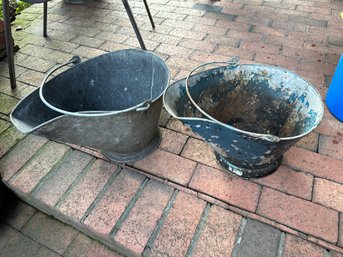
point(177, 201)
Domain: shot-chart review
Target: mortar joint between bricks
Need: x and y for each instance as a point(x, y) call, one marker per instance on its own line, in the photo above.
point(102, 193)
point(281, 247)
point(51, 171)
point(239, 237)
point(198, 230)
point(28, 162)
point(160, 223)
point(128, 209)
point(75, 182)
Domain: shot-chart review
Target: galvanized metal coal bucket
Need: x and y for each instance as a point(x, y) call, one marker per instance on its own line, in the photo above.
point(249, 114)
point(110, 103)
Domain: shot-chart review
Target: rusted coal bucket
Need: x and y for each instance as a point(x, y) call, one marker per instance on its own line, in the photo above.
point(110, 103)
point(249, 114)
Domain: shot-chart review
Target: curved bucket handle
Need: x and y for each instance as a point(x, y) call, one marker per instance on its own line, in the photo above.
point(232, 64)
point(74, 61)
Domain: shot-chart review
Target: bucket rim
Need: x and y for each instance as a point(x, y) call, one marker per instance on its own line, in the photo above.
point(142, 106)
point(268, 137)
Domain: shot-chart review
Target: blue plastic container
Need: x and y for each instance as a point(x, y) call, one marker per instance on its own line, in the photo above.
point(334, 96)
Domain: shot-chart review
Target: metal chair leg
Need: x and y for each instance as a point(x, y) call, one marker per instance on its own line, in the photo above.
point(134, 24)
point(45, 19)
point(9, 42)
point(149, 14)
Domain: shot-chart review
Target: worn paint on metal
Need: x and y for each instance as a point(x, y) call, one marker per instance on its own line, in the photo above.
point(110, 103)
point(253, 114)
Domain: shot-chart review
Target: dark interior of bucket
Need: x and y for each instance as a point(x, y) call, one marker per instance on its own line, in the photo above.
point(111, 82)
point(254, 99)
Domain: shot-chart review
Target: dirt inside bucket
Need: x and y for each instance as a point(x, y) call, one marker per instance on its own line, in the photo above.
point(247, 110)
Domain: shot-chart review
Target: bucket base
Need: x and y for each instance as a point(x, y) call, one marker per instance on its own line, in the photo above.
point(247, 173)
point(132, 157)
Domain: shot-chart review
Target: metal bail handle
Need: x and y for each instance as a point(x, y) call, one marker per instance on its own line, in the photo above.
point(231, 64)
point(74, 61)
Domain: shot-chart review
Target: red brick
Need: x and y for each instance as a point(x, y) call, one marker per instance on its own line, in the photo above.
point(309, 65)
point(111, 206)
point(172, 141)
point(330, 126)
point(221, 185)
point(141, 222)
point(19, 155)
point(329, 194)
point(277, 60)
point(250, 36)
point(208, 57)
point(330, 49)
point(324, 244)
point(253, 20)
point(178, 24)
point(219, 234)
point(232, 52)
point(295, 246)
point(38, 167)
point(263, 30)
point(331, 146)
point(214, 30)
point(200, 20)
point(185, 33)
point(306, 54)
point(86, 247)
point(182, 63)
point(289, 181)
point(308, 217)
point(18, 215)
point(233, 25)
point(8, 139)
point(259, 47)
point(176, 124)
point(284, 41)
point(86, 190)
point(231, 6)
point(199, 151)
point(49, 232)
point(171, 15)
point(312, 9)
point(179, 227)
point(168, 166)
point(333, 58)
point(174, 50)
point(190, 12)
point(223, 40)
point(198, 45)
point(314, 163)
point(14, 243)
point(313, 77)
point(290, 26)
point(213, 201)
point(309, 142)
point(61, 178)
point(336, 254)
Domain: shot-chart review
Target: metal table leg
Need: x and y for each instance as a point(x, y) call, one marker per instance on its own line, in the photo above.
point(9, 42)
point(149, 14)
point(134, 24)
